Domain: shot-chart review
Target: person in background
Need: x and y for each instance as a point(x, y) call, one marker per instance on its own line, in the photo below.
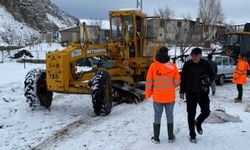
point(240, 75)
point(196, 76)
point(215, 70)
point(189, 57)
point(162, 79)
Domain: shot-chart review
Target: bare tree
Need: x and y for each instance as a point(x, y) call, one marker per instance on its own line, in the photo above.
point(186, 35)
point(180, 32)
point(95, 22)
point(211, 14)
point(95, 26)
point(187, 16)
point(165, 14)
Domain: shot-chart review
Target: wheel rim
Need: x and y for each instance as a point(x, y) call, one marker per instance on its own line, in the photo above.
point(222, 80)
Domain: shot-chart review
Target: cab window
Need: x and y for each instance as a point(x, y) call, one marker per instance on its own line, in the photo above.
point(218, 60)
point(232, 62)
point(118, 27)
point(225, 61)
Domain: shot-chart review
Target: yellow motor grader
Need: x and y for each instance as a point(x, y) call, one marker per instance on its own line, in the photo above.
point(129, 53)
point(238, 42)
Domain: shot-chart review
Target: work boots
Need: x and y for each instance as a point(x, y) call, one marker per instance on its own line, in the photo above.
point(198, 127)
point(171, 136)
point(192, 140)
point(155, 139)
point(237, 100)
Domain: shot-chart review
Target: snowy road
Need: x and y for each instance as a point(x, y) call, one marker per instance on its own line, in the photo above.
point(71, 123)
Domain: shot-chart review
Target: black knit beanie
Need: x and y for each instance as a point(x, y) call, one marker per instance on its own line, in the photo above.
point(196, 51)
point(162, 55)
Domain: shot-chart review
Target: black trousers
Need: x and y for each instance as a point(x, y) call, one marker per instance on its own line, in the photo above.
point(194, 98)
point(240, 91)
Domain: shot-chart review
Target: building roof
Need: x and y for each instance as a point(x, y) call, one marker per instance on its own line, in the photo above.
point(104, 23)
point(71, 29)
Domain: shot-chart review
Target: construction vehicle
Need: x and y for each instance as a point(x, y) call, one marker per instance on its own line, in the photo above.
point(129, 53)
point(238, 41)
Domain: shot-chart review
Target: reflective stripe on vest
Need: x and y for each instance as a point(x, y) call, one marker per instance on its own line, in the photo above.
point(164, 86)
point(177, 82)
point(163, 80)
point(241, 71)
point(149, 81)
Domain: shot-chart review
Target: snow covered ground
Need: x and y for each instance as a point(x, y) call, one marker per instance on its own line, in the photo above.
point(71, 123)
point(38, 51)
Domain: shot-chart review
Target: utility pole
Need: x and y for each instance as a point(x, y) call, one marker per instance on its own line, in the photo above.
point(139, 4)
point(2, 56)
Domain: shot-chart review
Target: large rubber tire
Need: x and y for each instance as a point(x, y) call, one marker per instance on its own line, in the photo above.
point(35, 89)
point(101, 87)
point(221, 80)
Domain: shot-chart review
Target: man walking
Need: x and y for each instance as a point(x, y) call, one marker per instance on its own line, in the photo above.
point(162, 79)
point(215, 70)
point(195, 80)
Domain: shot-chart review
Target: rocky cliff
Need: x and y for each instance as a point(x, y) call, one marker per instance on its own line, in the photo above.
point(40, 15)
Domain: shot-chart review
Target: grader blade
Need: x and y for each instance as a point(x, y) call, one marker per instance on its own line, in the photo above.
point(125, 93)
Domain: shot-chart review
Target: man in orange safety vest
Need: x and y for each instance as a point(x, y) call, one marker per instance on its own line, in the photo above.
point(240, 75)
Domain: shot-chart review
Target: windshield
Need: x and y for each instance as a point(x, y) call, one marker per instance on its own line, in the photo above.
point(218, 60)
point(232, 40)
point(94, 34)
point(241, 40)
point(118, 27)
point(245, 43)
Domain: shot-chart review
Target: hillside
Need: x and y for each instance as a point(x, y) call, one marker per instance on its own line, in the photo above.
point(23, 21)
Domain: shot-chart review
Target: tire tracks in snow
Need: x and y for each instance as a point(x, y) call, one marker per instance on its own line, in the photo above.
point(64, 132)
point(70, 130)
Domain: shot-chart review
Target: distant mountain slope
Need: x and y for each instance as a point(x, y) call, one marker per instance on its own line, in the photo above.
point(25, 20)
point(13, 32)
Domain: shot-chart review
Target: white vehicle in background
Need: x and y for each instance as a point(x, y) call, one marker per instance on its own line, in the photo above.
point(226, 66)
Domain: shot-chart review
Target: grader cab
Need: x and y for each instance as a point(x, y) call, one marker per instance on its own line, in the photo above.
point(238, 42)
point(129, 53)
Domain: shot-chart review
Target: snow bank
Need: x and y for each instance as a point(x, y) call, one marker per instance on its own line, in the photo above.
point(247, 108)
point(220, 116)
point(39, 50)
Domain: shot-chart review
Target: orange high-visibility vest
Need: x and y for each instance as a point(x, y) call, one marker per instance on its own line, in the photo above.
point(240, 72)
point(162, 79)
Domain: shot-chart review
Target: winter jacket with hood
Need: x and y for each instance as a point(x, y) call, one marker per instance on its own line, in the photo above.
point(240, 72)
point(162, 79)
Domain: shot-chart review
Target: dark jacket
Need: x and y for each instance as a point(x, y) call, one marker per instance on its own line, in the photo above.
point(192, 75)
point(214, 66)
